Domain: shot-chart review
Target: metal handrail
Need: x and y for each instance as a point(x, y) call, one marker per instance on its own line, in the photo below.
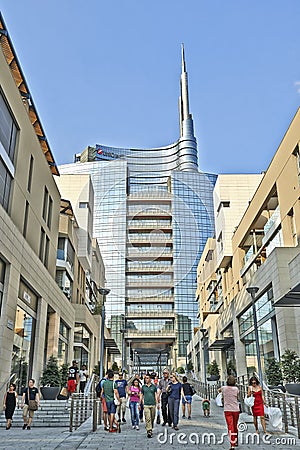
point(13, 375)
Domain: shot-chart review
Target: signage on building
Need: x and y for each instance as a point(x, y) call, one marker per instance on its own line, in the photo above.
point(106, 154)
point(26, 297)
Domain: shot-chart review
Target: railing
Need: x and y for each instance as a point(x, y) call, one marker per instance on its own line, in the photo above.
point(82, 407)
point(144, 268)
point(289, 406)
point(150, 313)
point(154, 298)
point(8, 380)
point(147, 333)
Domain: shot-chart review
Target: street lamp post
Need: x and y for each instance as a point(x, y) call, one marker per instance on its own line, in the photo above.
point(204, 331)
point(104, 292)
point(175, 358)
point(123, 331)
point(252, 290)
point(129, 365)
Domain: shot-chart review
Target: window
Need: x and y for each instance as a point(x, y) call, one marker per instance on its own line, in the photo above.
point(83, 204)
point(2, 275)
point(8, 129)
point(5, 185)
point(46, 258)
point(42, 243)
point(25, 219)
point(29, 182)
point(63, 343)
point(49, 218)
point(45, 203)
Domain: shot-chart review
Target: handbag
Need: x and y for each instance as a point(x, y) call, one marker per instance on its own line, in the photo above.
point(64, 392)
point(32, 405)
point(158, 417)
point(219, 399)
point(249, 401)
point(116, 401)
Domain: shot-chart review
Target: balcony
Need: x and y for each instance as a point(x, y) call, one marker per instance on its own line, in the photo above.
point(131, 333)
point(136, 269)
point(150, 314)
point(271, 226)
point(132, 226)
point(146, 213)
point(153, 254)
point(150, 283)
point(154, 299)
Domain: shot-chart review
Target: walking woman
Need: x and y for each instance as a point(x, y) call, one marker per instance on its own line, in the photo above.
point(255, 389)
point(174, 391)
point(231, 409)
point(9, 404)
point(134, 403)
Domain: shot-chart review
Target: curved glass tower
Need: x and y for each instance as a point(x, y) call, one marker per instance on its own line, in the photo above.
point(153, 213)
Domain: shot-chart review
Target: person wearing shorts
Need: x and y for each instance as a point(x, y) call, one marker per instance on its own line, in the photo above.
point(29, 393)
point(206, 407)
point(73, 378)
point(109, 391)
point(186, 395)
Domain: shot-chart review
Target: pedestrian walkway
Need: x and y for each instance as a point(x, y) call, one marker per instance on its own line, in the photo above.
point(200, 432)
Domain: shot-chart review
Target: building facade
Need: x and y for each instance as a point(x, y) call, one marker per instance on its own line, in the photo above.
point(153, 214)
point(264, 254)
point(49, 304)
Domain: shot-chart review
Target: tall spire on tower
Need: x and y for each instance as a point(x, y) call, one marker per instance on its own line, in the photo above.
point(184, 110)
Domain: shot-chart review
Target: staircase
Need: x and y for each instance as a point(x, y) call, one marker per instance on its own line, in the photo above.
point(51, 413)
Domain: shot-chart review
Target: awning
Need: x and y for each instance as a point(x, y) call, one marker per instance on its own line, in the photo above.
point(112, 347)
point(291, 298)
point(221, 344)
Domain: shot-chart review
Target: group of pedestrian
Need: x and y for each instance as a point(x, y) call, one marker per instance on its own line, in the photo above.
point(145, 399)
point(30, 400)
point(231, 402)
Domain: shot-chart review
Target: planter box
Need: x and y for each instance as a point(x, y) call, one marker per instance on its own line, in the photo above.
point(49, 392)
point(293, 388)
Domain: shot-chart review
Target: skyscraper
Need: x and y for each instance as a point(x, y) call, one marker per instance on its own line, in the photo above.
point(153, 213)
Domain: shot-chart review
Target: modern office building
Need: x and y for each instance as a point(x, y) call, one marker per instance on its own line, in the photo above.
point(153, 212)
point(239, 329)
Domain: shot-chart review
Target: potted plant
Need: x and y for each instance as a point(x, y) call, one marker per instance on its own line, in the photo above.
point(231, 369)
point(273, 373)
point(63, 372)
point(214, 371)
point(115, 367)
point(290, 365)
point(180, 370)
point(50, 380)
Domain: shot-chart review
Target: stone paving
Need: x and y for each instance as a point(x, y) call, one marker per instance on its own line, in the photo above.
point(200, 433)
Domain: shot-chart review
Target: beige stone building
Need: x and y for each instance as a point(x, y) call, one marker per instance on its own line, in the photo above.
point(29, 219)
point(263, 252)
point(50, 268)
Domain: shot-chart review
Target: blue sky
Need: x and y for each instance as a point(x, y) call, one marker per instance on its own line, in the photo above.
point(108, 72)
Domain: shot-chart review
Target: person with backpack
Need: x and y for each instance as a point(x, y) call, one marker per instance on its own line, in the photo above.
point(103, 402)
point(187, 392)
point(109, 392)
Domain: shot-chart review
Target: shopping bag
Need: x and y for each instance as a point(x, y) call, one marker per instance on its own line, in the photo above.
point(275, 418)
point(249, 401)
point(158, 417)
point(64, 392)
point(219, 399)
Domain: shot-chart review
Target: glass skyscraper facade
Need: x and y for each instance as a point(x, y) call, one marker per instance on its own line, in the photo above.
point(153, 215)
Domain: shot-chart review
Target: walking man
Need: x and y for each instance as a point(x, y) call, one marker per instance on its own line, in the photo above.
point(163, 396)
point(109, 391)
point(150, 400)
point(83, 375)
point(73, 377)
point(122, 388)
point(29, 393)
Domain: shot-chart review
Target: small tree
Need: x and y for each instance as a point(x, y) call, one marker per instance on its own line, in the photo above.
point(290, 364)
point(190, 366)
point(51, 375)
point(115, 367)
point(213, 368)
point(63, 373)
point(273, 372)
point(231, 369)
